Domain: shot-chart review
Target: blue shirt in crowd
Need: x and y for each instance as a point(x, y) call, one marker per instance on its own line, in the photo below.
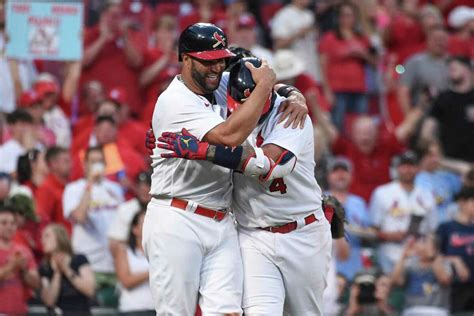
point(357, 215)
point(457, 239)
point(444, 185)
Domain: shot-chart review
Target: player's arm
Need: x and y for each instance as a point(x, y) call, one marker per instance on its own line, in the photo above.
point(267, 163)
point(294, 107)
point(235, 130)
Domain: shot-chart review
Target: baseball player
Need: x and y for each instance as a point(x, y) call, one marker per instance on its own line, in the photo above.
point(285, 239)
point(189, 239)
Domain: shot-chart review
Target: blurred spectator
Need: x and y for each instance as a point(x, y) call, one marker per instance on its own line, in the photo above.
point(457, 239)
point(399, 206)
point(30, 102)
point(134, 129)
point(290, 70)
point(20, 124)
point(17, 268)
point(113, 54)
point(453, 112)
point(116, 106)
point(158, 61)
point(67, 280)
point(426, 73)
point(49, 196)
point(17, 75)
point(430, 17)
point(91, 203)
point(84, 128)
point(443, 184)
point(326, 14)
point(208, 11)
point(461, 43)
point(370, 149)
point(91, 95)
point(369, 295)
point(339, 179)
point(120, 227)
point(53, 116)
point(425, 276)
point(122, 161)
point(31, 171)
point(245, 36)
point(5, 186)
point(28, 231)
point(132, 272)
point(344, 53)
point(373, 21)
point(404, 36)
point(293, 27)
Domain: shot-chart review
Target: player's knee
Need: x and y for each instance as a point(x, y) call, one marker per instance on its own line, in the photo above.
point(232, 314)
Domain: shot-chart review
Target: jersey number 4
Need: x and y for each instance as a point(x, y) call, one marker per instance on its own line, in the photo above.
point(278, 185)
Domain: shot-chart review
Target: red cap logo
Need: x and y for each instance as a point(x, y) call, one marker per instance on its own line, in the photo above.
point(246, 95)
point(219, 40)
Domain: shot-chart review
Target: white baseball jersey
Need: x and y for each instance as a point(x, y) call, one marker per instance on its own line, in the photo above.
point(199, 181)
point(391, 208)
point(90, 238)
point(282, 200)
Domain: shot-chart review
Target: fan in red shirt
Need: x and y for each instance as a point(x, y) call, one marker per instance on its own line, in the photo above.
point(122, 161)
point(161, 63)
point(113, 54)
point(461, 43)
point(404, 36)
point(49, 196)
point(370, 148)
point(18, 272)
point(204, 11)
point(115, 105)
point(343, 55)
point(291, 71)
point(91, 95)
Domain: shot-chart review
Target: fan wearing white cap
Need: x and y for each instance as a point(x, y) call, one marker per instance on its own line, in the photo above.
point(461, 43)
point(290, 69)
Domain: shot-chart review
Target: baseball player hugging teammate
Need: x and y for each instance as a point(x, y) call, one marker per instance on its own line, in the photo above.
point(248, 162)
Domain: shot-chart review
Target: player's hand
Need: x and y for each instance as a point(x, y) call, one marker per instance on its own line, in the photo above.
point(295, 109)
point(150, 141)
point(183, 145)
point(263, 74)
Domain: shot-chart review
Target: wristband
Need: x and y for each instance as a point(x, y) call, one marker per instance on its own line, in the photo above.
point(228, 157)
point(285, 90)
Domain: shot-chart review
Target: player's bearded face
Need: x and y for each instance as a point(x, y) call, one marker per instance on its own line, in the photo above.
point(207, 75)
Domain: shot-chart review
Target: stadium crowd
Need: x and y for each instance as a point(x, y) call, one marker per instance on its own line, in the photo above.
point(389, 87)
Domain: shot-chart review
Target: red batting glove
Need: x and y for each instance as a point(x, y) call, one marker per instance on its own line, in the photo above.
point(150, 141)
point(183, 145)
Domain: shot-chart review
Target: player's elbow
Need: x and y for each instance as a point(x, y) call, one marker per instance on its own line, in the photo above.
point(234, 141)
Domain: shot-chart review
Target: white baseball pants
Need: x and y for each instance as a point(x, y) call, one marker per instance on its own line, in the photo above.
point(285, 274)
point(192, 258)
